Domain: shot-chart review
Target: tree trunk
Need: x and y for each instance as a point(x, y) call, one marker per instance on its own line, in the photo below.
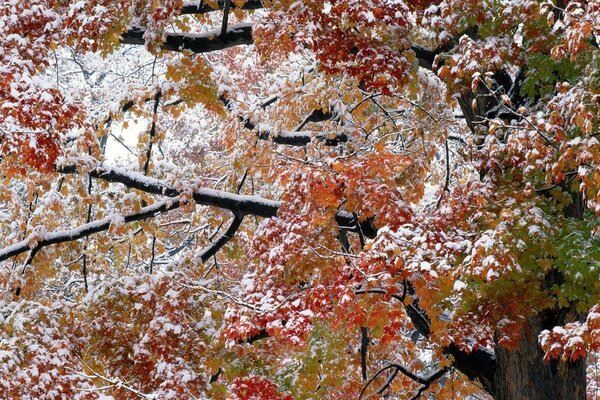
point(522, 374)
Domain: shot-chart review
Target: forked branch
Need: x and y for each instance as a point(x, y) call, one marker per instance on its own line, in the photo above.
point(206, 253)
point(237, 203)
point(38, 240)
point(398, 368)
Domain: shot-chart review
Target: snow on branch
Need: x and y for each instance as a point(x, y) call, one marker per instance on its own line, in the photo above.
point(237, 34)
point(39, 239)
point(241, 34)
point(200, 7)
point(297, 136)
point(237, 203)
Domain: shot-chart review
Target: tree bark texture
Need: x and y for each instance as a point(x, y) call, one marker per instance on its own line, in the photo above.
point(522, 374)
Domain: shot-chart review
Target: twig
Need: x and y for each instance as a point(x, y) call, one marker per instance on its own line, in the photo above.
point(152, 257)
point(447, 180)
point(225, 19)
point(364, 343)
point(152, 132)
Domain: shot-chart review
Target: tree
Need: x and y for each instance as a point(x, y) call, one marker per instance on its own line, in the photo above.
point(374, 199)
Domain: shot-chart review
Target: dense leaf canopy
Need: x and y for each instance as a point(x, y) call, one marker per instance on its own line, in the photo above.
point(245, 199)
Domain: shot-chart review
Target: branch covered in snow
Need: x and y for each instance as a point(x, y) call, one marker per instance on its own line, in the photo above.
point(200, 7)
point(237, 34)
point(297, 136)
point(37, 240)
point(241, 34)
point(237, 203)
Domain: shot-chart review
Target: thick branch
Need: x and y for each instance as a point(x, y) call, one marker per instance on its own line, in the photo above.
point(221, 241)
point(300, 138)
point(37, 240)
point(425, 56)
point(200, 7)
point(296, 137)
point(236, 203)
point(225, 22)
point(263, 334)
point(478, 364)
point(238, 34)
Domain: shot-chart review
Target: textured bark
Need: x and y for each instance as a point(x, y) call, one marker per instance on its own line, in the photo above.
point(522, 374)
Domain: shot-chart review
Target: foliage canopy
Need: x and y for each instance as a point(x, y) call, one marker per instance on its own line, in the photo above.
point(297, 199)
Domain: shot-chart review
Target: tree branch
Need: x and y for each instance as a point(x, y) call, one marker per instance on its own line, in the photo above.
point(237, 35)
point(429, 381)
point(364, 344)
point(38, 240)
point(221, 241)
point(295, 137)
point(263, 334)
point(236, 203)
point(425, 381)
point(200, 7)
point(426, 57)
point(477, 364)
point(381, 371)
point(225, 22)
point(202, 44)
point(152, 132)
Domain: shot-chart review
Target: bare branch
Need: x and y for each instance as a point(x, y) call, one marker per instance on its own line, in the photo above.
point(152, 256)
point(364, 344)
point(447, 179)
point(225, 19)
point(388, 381)
point(381, 371)
point(425, 381)
point(430, 380)
point(152, 132)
